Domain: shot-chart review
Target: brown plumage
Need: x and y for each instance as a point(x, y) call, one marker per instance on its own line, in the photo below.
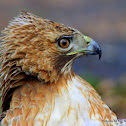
point(38, 84)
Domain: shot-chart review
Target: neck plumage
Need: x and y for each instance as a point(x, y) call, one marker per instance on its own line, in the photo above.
point(71, 94)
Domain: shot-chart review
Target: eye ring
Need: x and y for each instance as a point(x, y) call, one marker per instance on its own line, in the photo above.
point(63, 43)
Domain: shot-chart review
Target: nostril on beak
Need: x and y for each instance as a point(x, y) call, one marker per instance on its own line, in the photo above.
point(88, 43)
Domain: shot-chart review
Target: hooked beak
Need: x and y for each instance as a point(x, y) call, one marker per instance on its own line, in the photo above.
point(92, 49)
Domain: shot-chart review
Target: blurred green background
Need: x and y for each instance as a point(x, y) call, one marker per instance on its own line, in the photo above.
point(105, 22)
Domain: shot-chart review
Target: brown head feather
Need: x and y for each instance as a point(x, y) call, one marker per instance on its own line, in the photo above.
point(28, 50)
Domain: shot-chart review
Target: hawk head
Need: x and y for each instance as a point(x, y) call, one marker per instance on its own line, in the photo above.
point(45, 48)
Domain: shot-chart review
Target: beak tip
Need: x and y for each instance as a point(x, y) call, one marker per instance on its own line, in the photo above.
point(100, 54)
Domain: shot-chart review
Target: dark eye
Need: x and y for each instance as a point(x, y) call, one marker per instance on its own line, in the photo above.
point(63, 43)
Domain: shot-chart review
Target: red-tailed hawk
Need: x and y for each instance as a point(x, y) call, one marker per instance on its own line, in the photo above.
point(38, 85)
